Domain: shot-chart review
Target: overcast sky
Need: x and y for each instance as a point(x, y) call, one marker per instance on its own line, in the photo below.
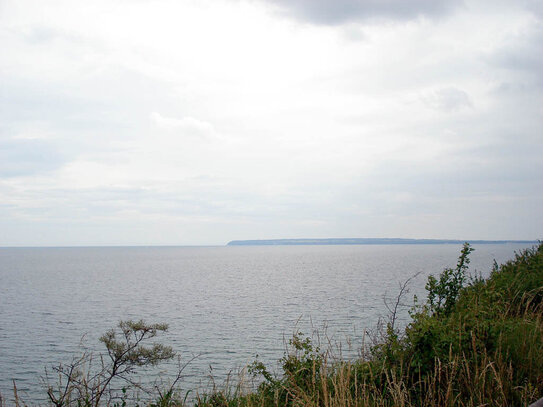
point(156, 122)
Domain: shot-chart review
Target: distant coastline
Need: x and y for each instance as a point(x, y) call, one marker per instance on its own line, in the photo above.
point(374, 241)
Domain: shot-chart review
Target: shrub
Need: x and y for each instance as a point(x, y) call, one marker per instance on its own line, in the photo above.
point(83, 382)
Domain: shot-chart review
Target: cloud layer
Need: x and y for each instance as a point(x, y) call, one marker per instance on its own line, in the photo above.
point(200, 122)
point(343, 11)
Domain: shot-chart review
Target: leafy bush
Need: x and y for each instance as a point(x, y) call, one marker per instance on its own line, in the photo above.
point(443, 293)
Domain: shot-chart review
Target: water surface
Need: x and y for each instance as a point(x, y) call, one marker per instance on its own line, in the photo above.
point(225, 304)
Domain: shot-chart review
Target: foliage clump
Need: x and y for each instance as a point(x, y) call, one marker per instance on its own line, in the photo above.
point(91, 383)
point(443, 293)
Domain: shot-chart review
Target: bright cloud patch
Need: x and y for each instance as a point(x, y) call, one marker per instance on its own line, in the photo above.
point(185, 125)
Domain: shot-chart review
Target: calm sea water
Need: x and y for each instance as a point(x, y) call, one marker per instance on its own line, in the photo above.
point(224, 304)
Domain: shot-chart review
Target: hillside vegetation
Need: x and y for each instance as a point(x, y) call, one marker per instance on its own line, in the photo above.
point(474, 342)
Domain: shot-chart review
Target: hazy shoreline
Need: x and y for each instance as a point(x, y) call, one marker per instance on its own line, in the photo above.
point(374, 241)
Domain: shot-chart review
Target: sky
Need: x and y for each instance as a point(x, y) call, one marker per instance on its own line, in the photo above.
point(197, 122)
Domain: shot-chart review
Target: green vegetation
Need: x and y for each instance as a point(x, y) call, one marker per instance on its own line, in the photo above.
point(84, 382)
point(473, 342)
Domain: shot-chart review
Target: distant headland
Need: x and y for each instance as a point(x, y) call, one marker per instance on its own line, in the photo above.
point(290, 242)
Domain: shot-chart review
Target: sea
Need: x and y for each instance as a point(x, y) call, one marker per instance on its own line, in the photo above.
point(225, 306)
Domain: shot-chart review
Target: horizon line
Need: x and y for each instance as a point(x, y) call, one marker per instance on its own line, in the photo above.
point(299, 241)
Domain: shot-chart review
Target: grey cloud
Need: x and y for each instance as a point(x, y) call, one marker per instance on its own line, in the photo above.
point(509, 167)
point(342, 11)
point(43, 34)
point(535, 6)
point(28, 157)
point(81, 119)
point(447, 99)
point(40, 35)
point(483, 185)
point(523, 54)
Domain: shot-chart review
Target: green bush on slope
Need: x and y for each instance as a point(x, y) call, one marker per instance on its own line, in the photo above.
point(492, 331)
point(477, 342)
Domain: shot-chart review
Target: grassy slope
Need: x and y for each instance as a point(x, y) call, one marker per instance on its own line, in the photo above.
point(484, 348)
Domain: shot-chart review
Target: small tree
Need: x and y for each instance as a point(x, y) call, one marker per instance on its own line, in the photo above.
point(80, 385)
point(443, 293)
